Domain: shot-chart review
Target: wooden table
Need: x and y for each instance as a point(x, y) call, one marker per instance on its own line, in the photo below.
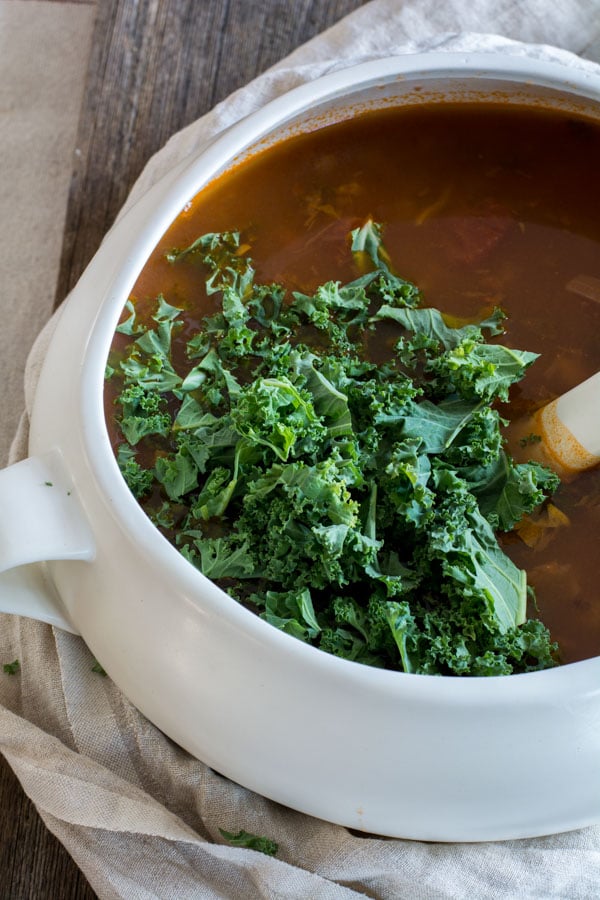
point(154, 67)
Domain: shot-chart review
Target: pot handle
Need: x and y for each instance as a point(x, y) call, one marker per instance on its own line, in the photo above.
point(41, 519)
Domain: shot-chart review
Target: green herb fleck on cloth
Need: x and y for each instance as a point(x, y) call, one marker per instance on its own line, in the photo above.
point(250, 841)
point(12, 668)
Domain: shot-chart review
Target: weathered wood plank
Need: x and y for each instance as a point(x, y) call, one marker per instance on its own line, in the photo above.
point(33, 863)
point(81, 2)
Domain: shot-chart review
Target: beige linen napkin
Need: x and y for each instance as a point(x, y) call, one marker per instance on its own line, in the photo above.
point(43, 60)
point(139, 815)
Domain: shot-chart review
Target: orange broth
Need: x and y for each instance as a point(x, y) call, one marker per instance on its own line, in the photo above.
point(482, 205)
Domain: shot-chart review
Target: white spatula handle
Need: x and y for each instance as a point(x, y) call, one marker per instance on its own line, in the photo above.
point(570, 426)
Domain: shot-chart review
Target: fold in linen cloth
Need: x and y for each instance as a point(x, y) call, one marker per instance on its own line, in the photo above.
point(139, 815)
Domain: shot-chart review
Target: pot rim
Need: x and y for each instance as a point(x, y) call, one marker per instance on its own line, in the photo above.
point(170, 195)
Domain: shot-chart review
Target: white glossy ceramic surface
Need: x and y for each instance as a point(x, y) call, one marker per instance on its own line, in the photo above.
point(401, 755)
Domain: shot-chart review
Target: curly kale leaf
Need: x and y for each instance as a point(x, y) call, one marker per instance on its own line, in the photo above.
point(430, 324)
point(273, 413)
point(303, 526)
point(144, 413)
point(290, 611)
point(381, 282)
point(476, 370)
point(138, 479)
point(217, 558)
point(461, 542)
point(506, 491)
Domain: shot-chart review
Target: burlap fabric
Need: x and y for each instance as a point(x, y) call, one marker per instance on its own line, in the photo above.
point(139, 815)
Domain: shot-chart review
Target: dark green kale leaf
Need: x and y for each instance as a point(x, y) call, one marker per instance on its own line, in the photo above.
point(437, 424)
point(178, 474)
point(303, 527)
point(144, 413)
point(506, 490)
point(291, 611)
point(527, 487)
point(431, 325)
point(472, 564)
point(138, 480)
point(273, 413)
point(381, 282)
point(476, 370)
point(148, 362)
point(218, 558)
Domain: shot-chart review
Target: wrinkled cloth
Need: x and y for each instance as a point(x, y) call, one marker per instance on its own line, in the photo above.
point(139, 815)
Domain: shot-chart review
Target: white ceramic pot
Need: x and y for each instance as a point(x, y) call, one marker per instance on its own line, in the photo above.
point(413, 756)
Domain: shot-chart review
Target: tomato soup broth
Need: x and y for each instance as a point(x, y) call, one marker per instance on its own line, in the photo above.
point(482, 206)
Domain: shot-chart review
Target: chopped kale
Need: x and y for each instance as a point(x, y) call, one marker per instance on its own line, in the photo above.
point(350, 501)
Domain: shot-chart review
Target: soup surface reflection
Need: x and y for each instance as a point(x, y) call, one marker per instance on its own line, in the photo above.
point(482, 206)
